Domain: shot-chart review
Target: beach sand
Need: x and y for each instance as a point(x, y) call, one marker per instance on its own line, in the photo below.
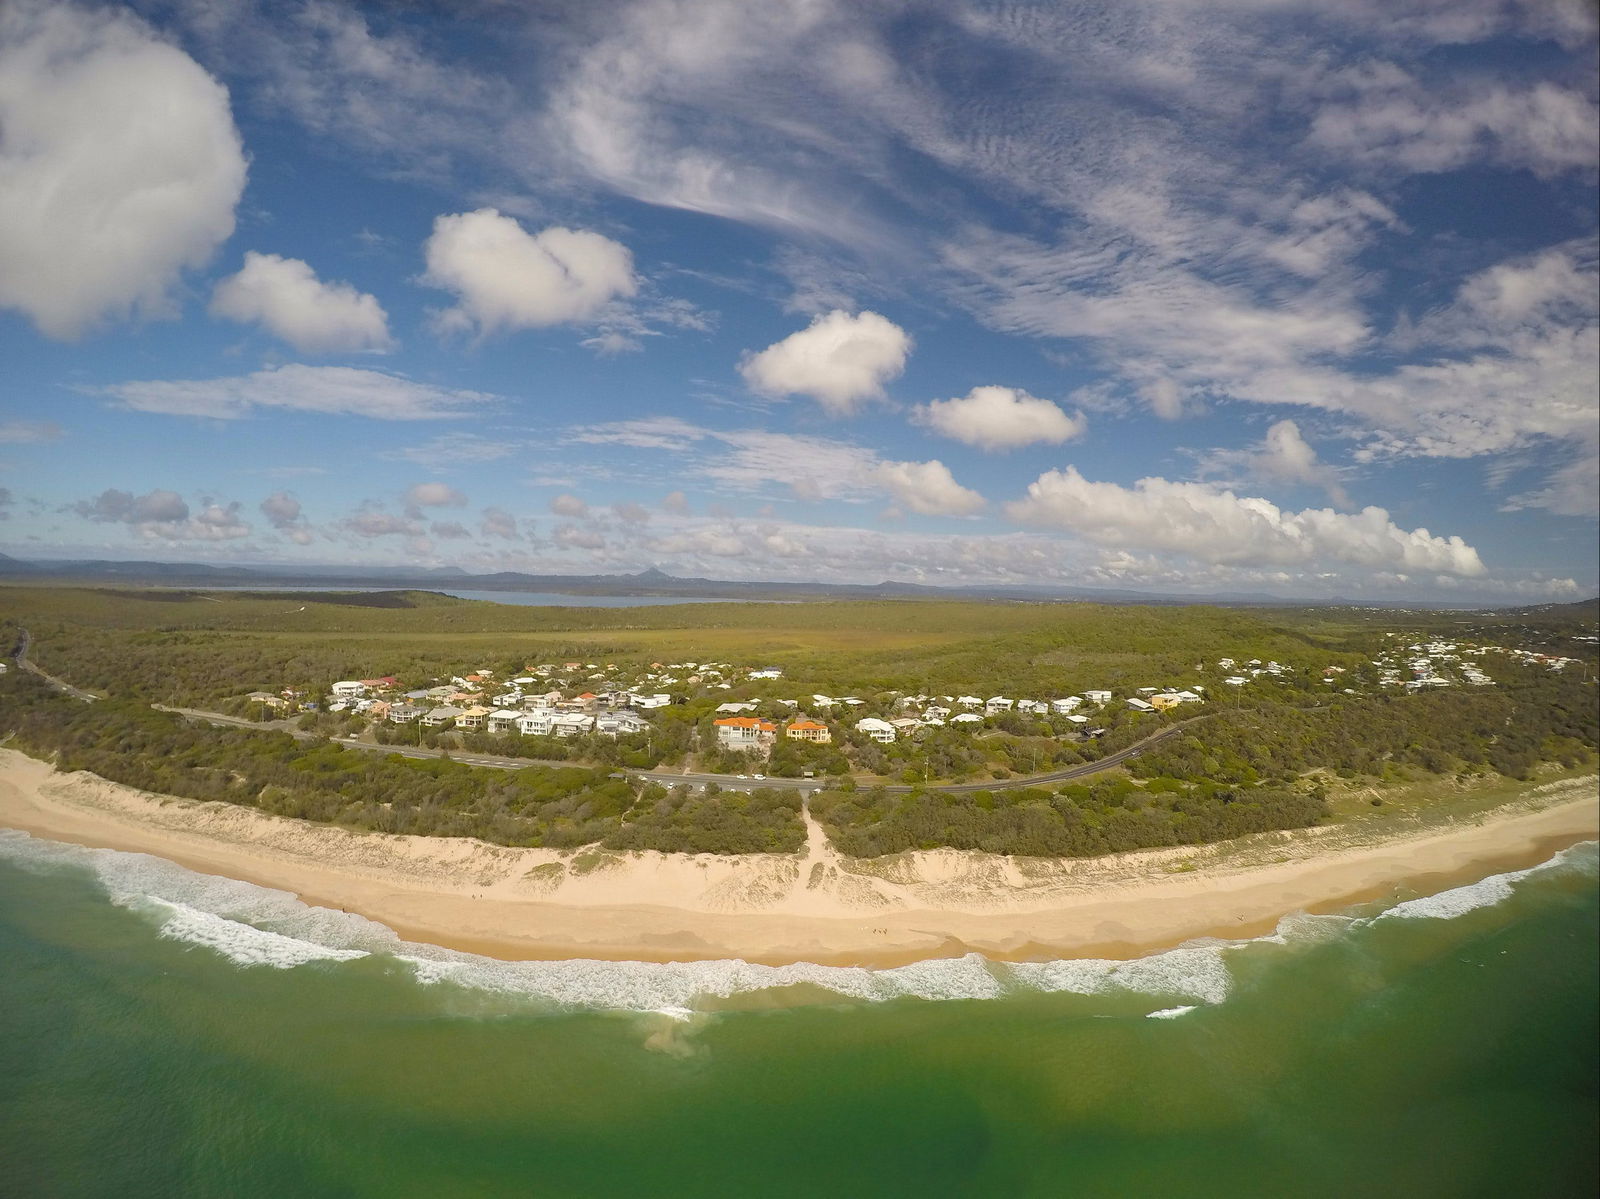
point(817, 906)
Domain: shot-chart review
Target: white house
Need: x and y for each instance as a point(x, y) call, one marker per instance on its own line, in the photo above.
point(734, 707)
point(570, 724)
point(1029, 705)
point(1139, 705)
point(767, 672)
point(404, 713)
point(1062, 706)
point(1098, 697)
point(441, 716)
point(536, 724)
point(967, 718)
point(503, 720)
point(348, 687)
point(878, 730)
point(970, 701)
point(1076, 719)
point(620, 724)
point(822, 701)
point(998, 703)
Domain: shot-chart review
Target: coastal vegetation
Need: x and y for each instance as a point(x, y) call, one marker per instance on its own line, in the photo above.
point(1259, 756)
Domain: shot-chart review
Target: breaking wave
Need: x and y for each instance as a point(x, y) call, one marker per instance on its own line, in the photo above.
point(253, 926)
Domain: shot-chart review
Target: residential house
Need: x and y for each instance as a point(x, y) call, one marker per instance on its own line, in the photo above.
point(970, 701)
point(996, 704)
point(967, 718)
point(659, 700)
point(267, 699)
point(767, 672)
point(1097, 697)
point(1076, 719)
point(620, 724)
point(377, 709)
point(822, 701)
point(1062, 706)
point(441, 716)
point(571, 724)
point(878, 730)
point(536, 724)
point(744, 732)
point(735, 707)
point(503, 720)
point(348, 687)
point(404, 713)
point(808, 730)
point(1139, 705)
point(472, 719)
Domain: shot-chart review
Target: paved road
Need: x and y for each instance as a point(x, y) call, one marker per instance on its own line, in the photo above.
point(61, 685)
point(668, 778)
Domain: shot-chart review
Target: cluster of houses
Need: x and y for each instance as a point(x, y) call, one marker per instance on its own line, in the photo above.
point(738, 728)
point(1425, 665)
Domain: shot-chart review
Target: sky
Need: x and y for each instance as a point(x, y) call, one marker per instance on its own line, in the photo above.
point(1275, 297)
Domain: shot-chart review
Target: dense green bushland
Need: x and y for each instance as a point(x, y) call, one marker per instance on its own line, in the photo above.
point(558, 807)
point(1109, 815)
point(1534, 715)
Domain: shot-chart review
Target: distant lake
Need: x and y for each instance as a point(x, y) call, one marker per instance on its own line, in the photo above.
point(527, 599)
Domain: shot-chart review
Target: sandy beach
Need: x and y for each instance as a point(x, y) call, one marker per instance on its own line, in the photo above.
point(817, 906)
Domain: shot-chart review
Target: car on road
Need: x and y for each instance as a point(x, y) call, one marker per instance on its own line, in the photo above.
point(759, 776)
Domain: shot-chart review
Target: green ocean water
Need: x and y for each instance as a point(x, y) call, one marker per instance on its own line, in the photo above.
point(165, 1034)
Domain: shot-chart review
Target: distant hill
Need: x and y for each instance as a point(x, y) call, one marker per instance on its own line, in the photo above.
point(651, 582)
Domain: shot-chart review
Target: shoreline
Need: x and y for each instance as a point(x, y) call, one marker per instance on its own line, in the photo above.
point(537, 904)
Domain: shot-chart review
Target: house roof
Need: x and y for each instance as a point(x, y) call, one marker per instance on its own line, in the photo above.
point(746, 722)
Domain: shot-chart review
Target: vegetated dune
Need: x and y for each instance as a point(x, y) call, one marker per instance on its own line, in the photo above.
point(817, 905)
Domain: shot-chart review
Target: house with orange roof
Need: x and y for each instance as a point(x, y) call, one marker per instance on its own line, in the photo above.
point(808, 730)
point(745, 732)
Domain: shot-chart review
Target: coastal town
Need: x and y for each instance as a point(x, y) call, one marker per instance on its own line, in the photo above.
point(600, 702)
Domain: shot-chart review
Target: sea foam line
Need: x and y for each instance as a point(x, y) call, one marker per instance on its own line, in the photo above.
point(255, 926)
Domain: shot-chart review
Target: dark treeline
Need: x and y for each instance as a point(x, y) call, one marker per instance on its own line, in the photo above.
point(1105, 816)
point(556, 807)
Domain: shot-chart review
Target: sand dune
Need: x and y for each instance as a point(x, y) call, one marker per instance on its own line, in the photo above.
point(815, 906)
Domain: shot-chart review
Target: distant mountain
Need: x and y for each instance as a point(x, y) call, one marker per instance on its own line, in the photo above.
point(650, 582)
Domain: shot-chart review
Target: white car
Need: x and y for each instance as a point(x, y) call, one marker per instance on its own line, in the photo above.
point(759, 776)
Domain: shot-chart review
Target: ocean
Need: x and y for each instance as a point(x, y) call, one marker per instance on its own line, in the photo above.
point(172, 1034)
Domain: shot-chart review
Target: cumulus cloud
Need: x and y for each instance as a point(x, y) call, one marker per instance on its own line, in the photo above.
point(433, 495)
point(1283, 456)
point(372, 521)
point(162, 515)
point(839, 360)
point(505, 278)
point(569, 505)
point(676, 503)
point(335, 390)
point(497, 522)
point(631, 513)
point(1219, 526)
point(449, 530)
point(282, 510)
point(285, 296)
point(571, 537)
point(119, 165)
point(928, 488)
point(1000, 418)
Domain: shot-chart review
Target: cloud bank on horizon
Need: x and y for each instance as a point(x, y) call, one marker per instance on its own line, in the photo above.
point(1289, 298)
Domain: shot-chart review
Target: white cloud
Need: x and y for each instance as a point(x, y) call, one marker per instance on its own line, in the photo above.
point(631, 513)
point(928, 488)
point(336, 390)
point(454, 449)
point(372, 521)
point(434, 495)
point(162, 515)
point(1001, 418)
point(1283, 456)
point(119, 166)
point(505, 278)
point(569, 505)
point(449, 530)
point(573, 538)
point(1385, 116)
point(285, 296)
point(1219, 526)
point(497, 522)
point(281, 509)
point(1573, 490)
point(15, 432)
point(675, 503)
point(840, 360)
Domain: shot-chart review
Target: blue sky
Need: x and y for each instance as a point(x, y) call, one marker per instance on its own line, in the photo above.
point(1246, 295)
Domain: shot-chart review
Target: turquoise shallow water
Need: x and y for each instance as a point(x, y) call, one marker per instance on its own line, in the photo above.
point(170, 1034)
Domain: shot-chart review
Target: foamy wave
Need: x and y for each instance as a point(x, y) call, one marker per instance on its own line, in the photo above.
point(244, 944)
point(1169, 1013)
point(261, 926)
point(1497, 888)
